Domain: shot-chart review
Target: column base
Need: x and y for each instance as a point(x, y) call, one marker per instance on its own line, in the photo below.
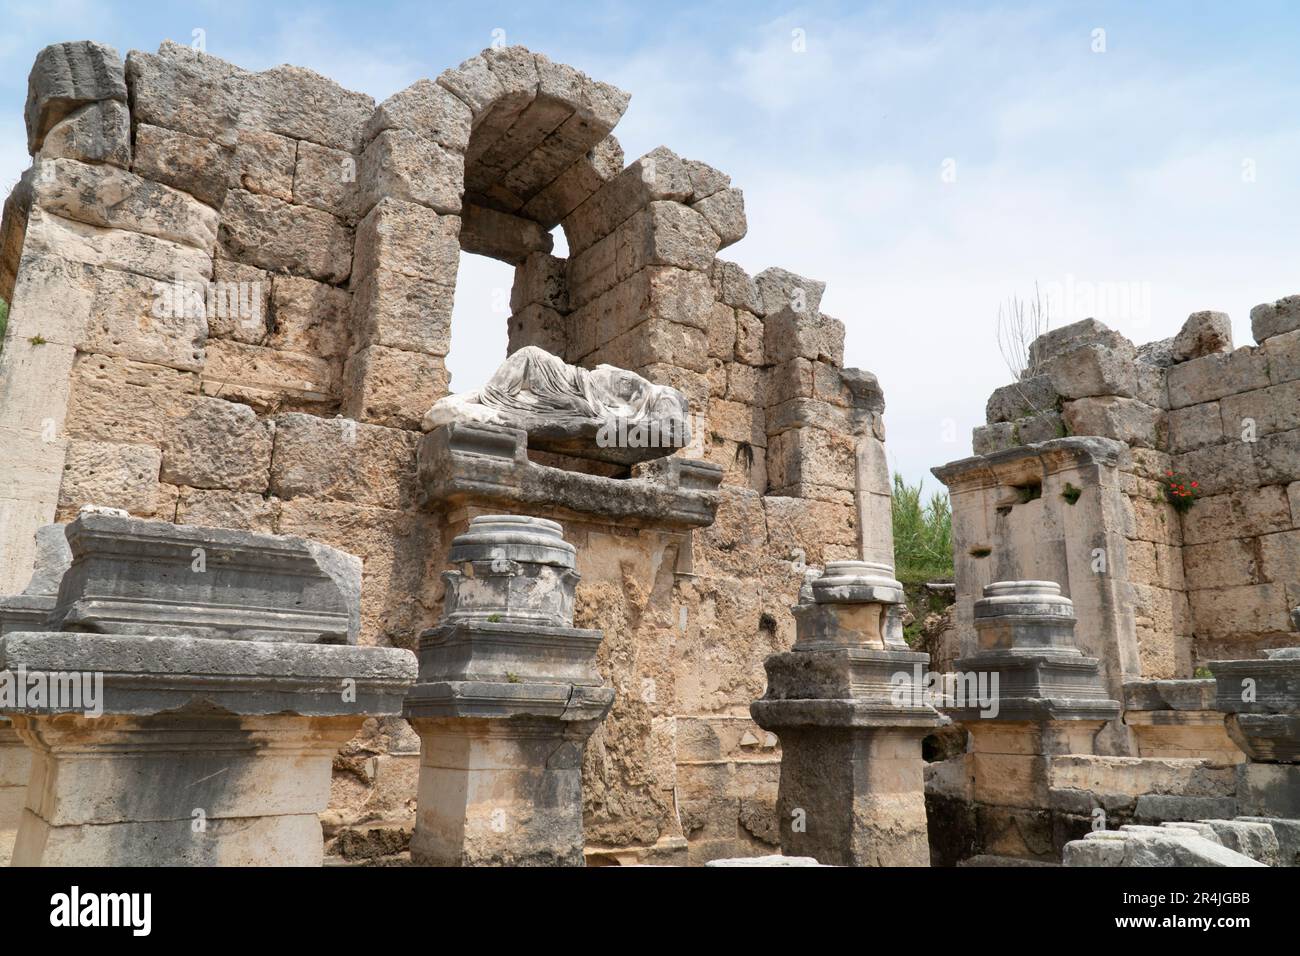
point(177, 790)
point(500, 791)
point(853, 796)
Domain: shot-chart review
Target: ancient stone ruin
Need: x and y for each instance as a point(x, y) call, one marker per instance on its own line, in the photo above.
point(630, 600)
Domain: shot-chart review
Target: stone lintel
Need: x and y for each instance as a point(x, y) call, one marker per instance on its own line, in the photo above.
point(1045, 458)
point(488, 466)
point(150, 675)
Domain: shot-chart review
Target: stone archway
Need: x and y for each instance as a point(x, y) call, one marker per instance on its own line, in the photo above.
point(486, 159)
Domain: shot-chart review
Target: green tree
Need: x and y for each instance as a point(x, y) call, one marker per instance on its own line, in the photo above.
point(922, 533)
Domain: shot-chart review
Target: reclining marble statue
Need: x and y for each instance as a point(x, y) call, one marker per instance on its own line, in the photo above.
point(606, 413)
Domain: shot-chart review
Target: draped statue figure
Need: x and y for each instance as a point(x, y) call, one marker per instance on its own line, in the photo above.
point(605, 413)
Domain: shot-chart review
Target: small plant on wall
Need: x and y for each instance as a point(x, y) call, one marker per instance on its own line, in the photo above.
point(1181, 491)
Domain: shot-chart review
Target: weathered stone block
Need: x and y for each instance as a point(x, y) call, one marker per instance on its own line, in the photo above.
point(656, 341)
point(1067, 338)
point(217, 444)
point(500, 235)
point(813, 456)
point(239, 303)
point(191, 164)
point(1241, 513)
point(668, 234)
point(1277, 457)
point(327, 179)
point(788, 334)
point(749, 339)
point(66, 77)
point(1093, 369)
point(219, 508)
point(1236, 612)
point(1195, 426)
point(736, 287)
point(1283, 354)
point(265, 163)
point(426, 109)
point(310, 317)
point(1275, 318)
point(406, 166)
point(722, 332)
point(107, 196)
point(408, 238)
point(180, 87)
point(780, 289)
point(1228, 563)
point(1220, 469)
point(540, 280)
point(792, 379)
point(1036, 428)
point(114, 475)
point(266, 378)
point(724, 211)
point(1029, 396)
point(117, 400)
point(1204, 333)
point(391, 387)
point(343, 460)
point(659, 175)
point(399, 311)
point(539, 326)
point(95, 133)
point(266, 232)
point(1211, 377)
point(1125, 419)
point(1261, 412)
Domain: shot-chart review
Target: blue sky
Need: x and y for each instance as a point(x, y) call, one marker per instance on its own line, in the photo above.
point(926, 160)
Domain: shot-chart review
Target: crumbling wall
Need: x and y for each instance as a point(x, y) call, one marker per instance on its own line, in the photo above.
point(1217, 581)
point(231, 303)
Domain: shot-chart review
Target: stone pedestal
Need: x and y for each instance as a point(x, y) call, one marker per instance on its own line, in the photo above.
point(166, 749)
point(1047, 701)
point(1262, 701)
point(507, 696)
point(850, 716)
point(1177, 718)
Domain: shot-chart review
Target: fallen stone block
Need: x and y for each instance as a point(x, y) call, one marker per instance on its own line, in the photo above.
point(1151, 846)
point(1256, 840)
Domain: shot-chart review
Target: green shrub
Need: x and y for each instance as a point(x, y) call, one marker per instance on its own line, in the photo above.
point(4, 321)
point(922, 534)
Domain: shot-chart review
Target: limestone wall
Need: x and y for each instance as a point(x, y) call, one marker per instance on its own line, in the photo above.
point(231, 296)
point(1219, 580)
